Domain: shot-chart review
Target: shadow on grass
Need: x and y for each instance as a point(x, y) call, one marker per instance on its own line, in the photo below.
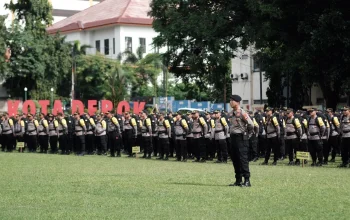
point(196, 184)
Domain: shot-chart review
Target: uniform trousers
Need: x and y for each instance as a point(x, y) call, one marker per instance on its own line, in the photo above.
point(239, 156)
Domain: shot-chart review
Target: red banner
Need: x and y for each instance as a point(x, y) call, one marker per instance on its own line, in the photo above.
point(77, 106)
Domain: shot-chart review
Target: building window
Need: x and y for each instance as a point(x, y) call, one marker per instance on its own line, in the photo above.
point(113, 45)
point(245, 102)
point(257, 102)
point(256, 65)
point(97, 46)
point(156, 49)
point(143, 45)
point(128, 44)
point(106, 46)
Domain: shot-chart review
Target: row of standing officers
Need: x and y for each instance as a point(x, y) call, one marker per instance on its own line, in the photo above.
point(188, 136)
point(237, 135)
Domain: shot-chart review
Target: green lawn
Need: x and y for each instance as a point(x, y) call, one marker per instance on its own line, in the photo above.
point(35, 186)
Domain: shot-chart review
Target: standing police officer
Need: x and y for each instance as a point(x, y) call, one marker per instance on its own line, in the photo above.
point(7, 133)
point(130, 133)
point(219, 134)
point(31, 133)
point(272, 137)
point(241, 128)
point(146, 131)
point(181, 130)
point(80, 131)
point(345, 136)
point(294, 132)
point(316, 130)
point(62, 133)
point(114, 134)
point(43, 134)
point(101, 134)
point(164, 133)
point(89, 137)
point(53, 133)
point(334, 133)
point(199, 129)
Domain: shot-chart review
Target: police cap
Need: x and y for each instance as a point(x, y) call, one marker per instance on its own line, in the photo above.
point(235, 98)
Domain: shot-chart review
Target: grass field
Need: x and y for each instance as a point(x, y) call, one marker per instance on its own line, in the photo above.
point(36, 186)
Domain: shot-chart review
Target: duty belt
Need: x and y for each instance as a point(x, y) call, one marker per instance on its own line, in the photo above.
point(162, 132)
point(346, 131)
point(272, 132)
point(314, 133)
point(236, 134)
point(198, 132)
point(291, 133)
point(18, 132)
point(219, 131)
point(52, 130)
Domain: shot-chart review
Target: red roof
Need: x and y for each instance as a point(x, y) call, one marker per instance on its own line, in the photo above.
point(106, 12)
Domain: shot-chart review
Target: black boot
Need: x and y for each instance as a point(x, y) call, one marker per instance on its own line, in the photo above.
point(237, 183)
point(246, 183)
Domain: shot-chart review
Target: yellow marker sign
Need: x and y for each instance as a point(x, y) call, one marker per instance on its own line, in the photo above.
point(136, 149)
point(20, 144)
point(302, 155)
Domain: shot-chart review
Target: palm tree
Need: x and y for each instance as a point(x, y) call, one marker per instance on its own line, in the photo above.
point(145, 69)
point(115, 80)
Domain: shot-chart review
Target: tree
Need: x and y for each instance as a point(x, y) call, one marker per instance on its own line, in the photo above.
point(194, 49)
point(39, 61)
point(145, 70)
point(35, 14)
point(101, 78)
point(309, 40)
point(3, 46)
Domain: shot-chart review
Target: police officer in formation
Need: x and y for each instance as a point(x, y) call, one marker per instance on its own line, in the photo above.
point(273, 135)
point(89, 136)
point(219, 133)
point(114, 134)
point(129, 133)
point(164, 134)
point(101, 135)
point(199, 129)
point(293, 135)
point(146, 131)
point(53, 133)
point(62, 133)
point(333, 142)
point(345, 136)
point(43, 133)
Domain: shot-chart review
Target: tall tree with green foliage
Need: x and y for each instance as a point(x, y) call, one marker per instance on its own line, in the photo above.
point(3, 44)
point(39, 61)
point(308, 40)
point(201, 37)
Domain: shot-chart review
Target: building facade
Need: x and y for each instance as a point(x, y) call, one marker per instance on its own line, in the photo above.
point(111, 27)
point(246, 78)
